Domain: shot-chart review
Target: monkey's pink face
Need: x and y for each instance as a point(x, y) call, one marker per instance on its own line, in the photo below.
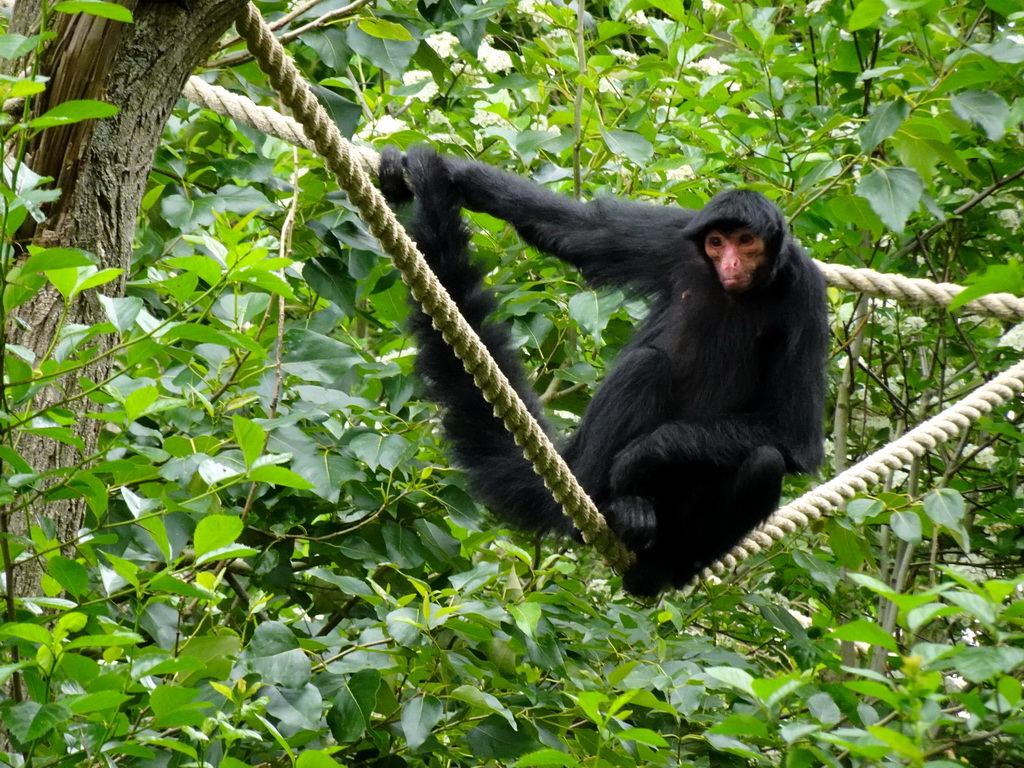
point(737, 255)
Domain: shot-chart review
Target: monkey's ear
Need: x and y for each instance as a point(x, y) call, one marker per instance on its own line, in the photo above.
point(391, 175)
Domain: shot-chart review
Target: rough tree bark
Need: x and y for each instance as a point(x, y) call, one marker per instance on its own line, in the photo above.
point(101, 168)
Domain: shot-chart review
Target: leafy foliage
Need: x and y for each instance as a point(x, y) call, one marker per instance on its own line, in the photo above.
point(278, 566)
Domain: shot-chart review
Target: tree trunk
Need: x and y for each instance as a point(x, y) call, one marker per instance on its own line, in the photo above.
point(101, 167)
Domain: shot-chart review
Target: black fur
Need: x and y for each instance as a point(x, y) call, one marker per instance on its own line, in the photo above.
point(716, 397)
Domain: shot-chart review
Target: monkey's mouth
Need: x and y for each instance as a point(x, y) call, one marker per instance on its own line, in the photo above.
point(735, 284)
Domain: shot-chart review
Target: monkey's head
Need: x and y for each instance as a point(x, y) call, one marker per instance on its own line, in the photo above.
point(742, 233)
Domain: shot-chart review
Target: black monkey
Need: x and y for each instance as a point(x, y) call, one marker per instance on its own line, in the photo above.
point(717, 396)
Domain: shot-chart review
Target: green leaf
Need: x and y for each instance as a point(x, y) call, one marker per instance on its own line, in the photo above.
point(314, 758)
point(13, 46)
point(903, 745)
point(382, 451)
point(385, 30)
point(906, 525)
point(735, 678)
point(101, 701)
point(281, 476)
point(893, 194)
point(419, 716)
point(354, 705)
point(174, 707)
point(482, 700)
point(250, 437)
point(649, 737)
point(628, 143)
point(122, 312)
point(138, 402)
point(547, 757)
point(391, 55)
point(74, 111)
point(31, 632)
point(96, 8)
point(866, 13)
point(29, 720)
point(884, 122)
point(985, 109)
point(71, 575)
point(495, 740)
point(209, 270)
point(946, 507)
point(43, 260)
point(215, 532)
point(865, 631)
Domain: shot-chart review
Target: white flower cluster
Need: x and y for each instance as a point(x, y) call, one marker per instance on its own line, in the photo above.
point(1014, 338)
point(626, 57)
point(485, 118)
point(712, 7)
point(913, 324)
point(1010, 218)
point(384, 125)
point(711, 66)
point(637, 17)
point(816, 6)
point(492, 59)
point(429, 87)
point(529, 9)
point(987, 457)
point(443, 44)
point(682, 173)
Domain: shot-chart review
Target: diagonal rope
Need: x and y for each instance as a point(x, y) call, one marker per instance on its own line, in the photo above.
point(340, 158)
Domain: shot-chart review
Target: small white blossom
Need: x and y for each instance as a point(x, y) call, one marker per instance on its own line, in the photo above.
point(492, 59)
point(385, 125)
point(437, 118)
point(987, 458)
point(429, 87)
point(443, 44)
point(1010, 217)
point(711, 66)
point(637, 17)
point(529, 9)
point(913, 324)
point(712, 7)
point(1014, 338)
point(816, 6)
point(487, 119)
point(682, 173)
point(626, 57)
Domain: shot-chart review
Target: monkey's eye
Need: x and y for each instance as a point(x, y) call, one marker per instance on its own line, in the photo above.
point(746, 238)
point(715, 241)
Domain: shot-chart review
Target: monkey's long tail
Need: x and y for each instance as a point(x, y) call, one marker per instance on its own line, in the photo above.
point(500, 477)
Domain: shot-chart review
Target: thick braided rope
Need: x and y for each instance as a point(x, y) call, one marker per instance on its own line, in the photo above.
point(943, 426)
point(340, 159)
point(894, 286)
point(919, 291)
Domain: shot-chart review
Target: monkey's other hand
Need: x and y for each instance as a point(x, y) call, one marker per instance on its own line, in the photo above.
point(632, 468)
point(634, 521)
point(391, 175)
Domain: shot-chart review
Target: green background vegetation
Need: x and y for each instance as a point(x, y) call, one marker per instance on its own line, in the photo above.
point(278, 566)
